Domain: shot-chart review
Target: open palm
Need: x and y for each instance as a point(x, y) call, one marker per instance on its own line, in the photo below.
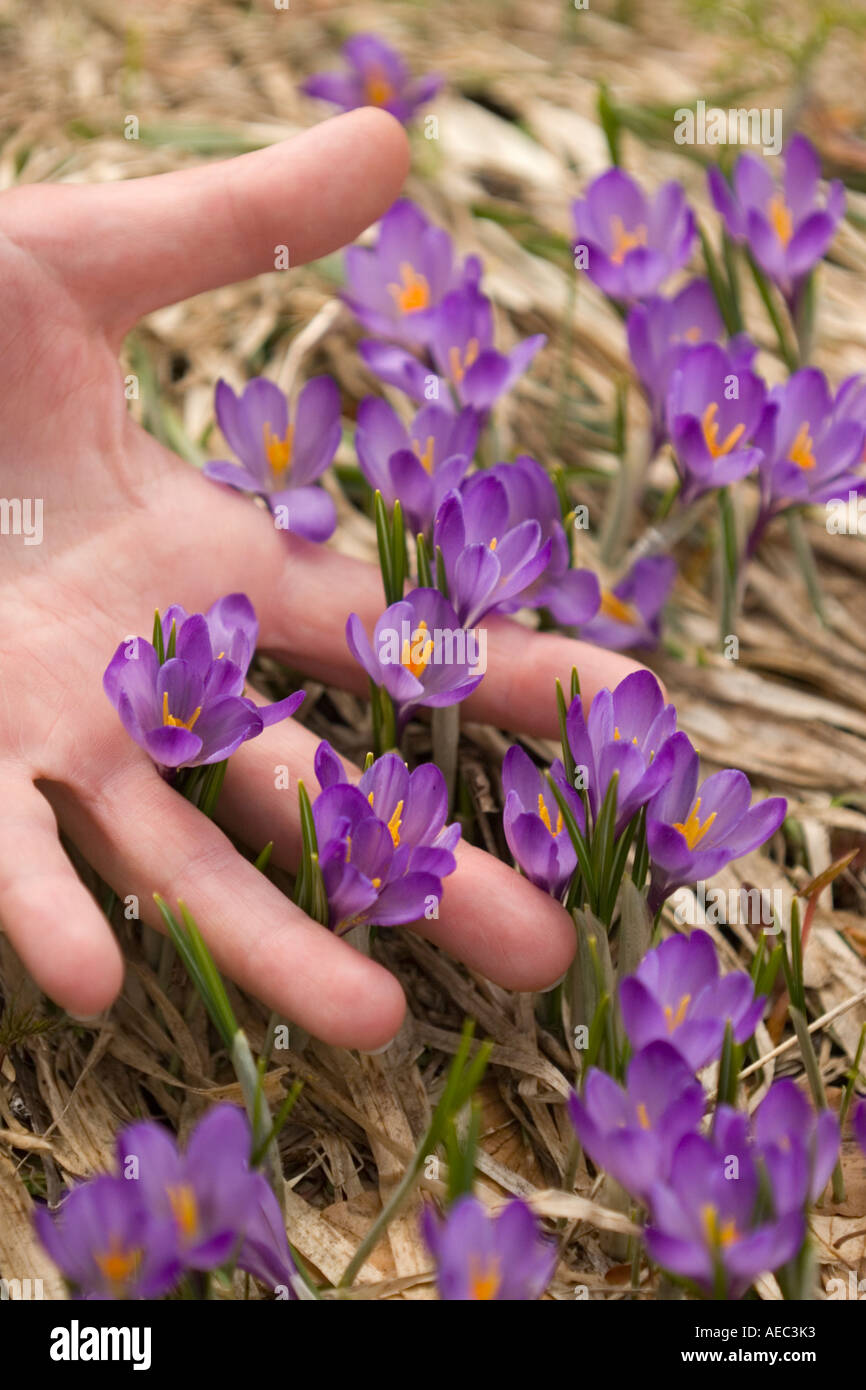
point(127, 527)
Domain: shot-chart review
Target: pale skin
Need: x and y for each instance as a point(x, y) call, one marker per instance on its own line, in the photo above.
point(129, 527)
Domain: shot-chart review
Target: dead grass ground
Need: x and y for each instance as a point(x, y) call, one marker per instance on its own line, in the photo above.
point(518, 138)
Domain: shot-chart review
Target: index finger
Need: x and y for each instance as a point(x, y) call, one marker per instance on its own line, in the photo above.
point(127, 248)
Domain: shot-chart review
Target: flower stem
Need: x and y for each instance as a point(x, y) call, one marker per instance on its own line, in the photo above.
point(729, 555)
point(446, 739)
point(788, 352)
point(463, 1077)
point(807, 565)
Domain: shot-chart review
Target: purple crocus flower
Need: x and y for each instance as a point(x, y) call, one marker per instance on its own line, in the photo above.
point(677, 995)
point(418, 464)
point(413, 805)
point(396, 286)
point(858, 1123)
point(629, 614)
point(264, 1251)
point(190, 711)
point(420, 653)
point(850, 401)
point(533, 822)
point(571, 595)
point(376, 75)
point(232, 633)
point(632, 243)
point(461, 347)
point(785, 224)
point(705, 1225)
point(715, 404)
point(108, 1244)
point(631, 1132)
point(626, 732)
point(811, 444)
point(281, 457)
point(693, 831)
point(660, 330)
point(488, 563)
point(372, 872)
point(384, 844)
point(798, 1147)
point(484, 1258)
point(209, 1192)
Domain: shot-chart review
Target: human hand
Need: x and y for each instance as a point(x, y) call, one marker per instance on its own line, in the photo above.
point(129, 527)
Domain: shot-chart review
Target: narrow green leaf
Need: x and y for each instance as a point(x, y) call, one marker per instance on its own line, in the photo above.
point(787, 352)
point(399, 553)
point(263, 857)
point(729, 1068)
point(610, 122)
point(729, 255)
point(567, 755)
point(717, 282)
point(422, 554)
point(212, 787)
point(383, 540)
point(810, 1061)
point(730, 565)
point(157, 637)
point(635, 930)
point(441, 576)
point(581, 848)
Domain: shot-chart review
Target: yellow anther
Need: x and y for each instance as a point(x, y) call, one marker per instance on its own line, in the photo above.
point(675, 1019)
point(414, 293)
point(278, 451)
point(694, 829)
point(485, 1279)
point(780, 216)
point(425, 458)
point(802, 448)
point(616, 608)
point(624, 241)
point(395, 822)
point(118, 1265)
point(184, 1208)
point(416, 661)
point(459, 364)
point(643, 1117)
point(718, 1235)
point(710, 426)
point(377, 88)
point(169, 720)
point(545, 817)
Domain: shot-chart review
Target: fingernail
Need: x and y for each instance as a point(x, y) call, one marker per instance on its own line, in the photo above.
point(376, 1051)
point(554, 986)
point(86, 1018)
